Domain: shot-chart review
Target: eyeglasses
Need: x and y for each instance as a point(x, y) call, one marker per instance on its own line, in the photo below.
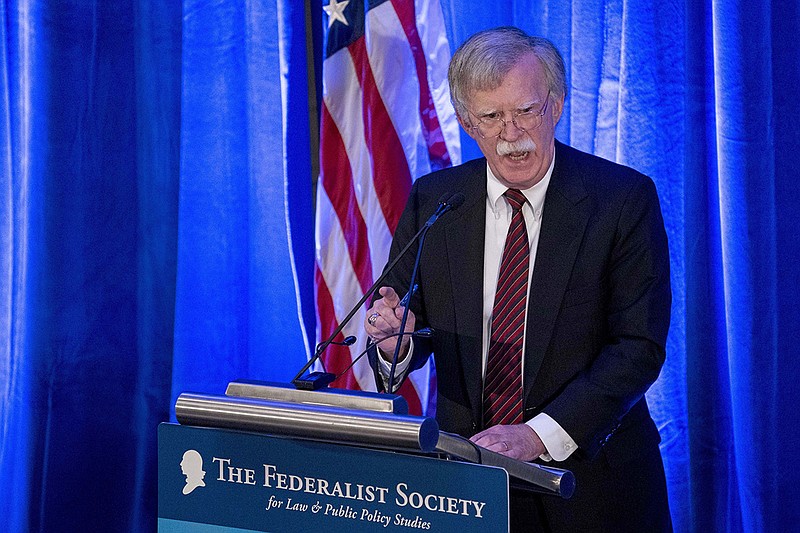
point(493, 124)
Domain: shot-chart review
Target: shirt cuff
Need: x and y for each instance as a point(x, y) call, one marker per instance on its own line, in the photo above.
point(557, 442)
point(385, 367)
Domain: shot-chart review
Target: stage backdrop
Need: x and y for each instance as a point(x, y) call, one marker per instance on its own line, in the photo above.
point(157, 210)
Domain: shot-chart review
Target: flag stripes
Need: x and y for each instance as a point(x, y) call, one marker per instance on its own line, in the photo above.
point(386, 120)
point(437, 150)
point(390, 172)
point(340, 192)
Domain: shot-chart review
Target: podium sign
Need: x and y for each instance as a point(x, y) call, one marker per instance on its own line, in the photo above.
point(218, 480)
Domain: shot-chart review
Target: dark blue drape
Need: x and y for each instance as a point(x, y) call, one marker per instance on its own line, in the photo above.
point(90, 102)
point(156, 229)
point(146, 202)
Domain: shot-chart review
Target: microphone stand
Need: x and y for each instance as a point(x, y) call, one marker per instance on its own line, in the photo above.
point(424, 333)
point(320, 380)
point(453, 202)
point(411, 290)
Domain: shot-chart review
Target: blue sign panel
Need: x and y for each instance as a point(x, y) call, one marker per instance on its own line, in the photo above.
point(215, 481)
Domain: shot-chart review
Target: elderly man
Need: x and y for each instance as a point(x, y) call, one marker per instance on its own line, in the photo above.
point(549, 293)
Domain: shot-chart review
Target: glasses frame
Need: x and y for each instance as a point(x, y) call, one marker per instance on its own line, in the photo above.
point(514, 116)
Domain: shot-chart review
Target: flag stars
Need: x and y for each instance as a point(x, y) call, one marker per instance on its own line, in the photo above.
point(335, 11)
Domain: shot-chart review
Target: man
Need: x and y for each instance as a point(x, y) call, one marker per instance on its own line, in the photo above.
point(545, 344)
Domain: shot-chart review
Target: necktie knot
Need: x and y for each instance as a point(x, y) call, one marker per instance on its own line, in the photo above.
point(515, 198)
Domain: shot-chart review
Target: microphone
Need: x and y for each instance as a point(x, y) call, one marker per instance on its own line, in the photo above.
point(454, 201)
point(447, 202)
point(422, 333)
point(318, 380)
point(348, 341)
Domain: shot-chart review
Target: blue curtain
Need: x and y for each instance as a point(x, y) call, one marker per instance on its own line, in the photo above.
point(702, 97)
point(245, 175)
point(90, 109)
point(156, 229)
point(145, 232)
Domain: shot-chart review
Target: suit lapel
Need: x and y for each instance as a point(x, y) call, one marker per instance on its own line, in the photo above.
point(563, 225)
point(465, 249)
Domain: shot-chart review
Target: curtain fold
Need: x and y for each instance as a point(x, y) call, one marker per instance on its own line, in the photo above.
point(244, 146)
point(90, 144)
point(744, 153)
point(157, 81)
point(785, 120)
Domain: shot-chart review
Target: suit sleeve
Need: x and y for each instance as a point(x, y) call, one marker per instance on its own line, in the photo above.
point(418, 209)
point(594, 403)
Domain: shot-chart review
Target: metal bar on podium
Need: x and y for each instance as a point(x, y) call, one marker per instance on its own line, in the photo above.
point(318, 422)
point(356, 418)
point(284, 392)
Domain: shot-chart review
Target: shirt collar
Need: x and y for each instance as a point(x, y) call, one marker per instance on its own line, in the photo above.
point(535, 194)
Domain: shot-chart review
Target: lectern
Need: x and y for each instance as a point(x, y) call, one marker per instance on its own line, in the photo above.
point(268, 457)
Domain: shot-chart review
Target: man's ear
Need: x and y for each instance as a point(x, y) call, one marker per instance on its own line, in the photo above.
point(557, 109)
point(466, 125)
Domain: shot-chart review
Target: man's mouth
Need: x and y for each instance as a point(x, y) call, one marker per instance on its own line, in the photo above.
point(518, 156)
point(516, 151)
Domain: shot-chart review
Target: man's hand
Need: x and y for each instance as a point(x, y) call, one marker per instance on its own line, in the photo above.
point(517, 441)
point(383, 319)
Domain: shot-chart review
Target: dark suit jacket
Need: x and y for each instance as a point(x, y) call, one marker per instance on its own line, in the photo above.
point(598, 310)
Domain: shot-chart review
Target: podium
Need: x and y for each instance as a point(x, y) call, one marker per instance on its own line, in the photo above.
point(267, 457)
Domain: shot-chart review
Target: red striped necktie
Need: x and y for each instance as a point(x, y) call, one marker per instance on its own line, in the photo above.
point(502, 388)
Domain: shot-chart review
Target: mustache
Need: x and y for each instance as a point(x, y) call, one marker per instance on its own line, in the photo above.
point(523, 144)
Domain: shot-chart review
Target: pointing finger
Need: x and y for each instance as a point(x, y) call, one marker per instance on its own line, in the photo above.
point(389, 296)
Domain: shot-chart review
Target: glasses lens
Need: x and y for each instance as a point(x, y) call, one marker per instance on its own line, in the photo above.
point(490, 127)
point(528, 121)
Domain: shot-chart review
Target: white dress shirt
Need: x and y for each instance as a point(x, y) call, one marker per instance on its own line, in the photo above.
point(498, 219)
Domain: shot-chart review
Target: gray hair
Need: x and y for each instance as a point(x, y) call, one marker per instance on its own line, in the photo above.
point(483, 60)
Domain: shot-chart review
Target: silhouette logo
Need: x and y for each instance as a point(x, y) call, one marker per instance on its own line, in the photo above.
point(192, 468)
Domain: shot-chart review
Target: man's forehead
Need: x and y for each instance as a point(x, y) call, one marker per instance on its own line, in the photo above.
point(498, 99)
point(525, 83)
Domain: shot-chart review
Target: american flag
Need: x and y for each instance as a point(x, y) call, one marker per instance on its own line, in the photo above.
point(386, 120)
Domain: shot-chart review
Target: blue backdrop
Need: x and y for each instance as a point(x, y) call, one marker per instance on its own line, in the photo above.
point(157, 229)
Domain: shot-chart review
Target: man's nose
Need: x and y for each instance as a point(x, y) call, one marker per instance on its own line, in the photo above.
point(511, 132)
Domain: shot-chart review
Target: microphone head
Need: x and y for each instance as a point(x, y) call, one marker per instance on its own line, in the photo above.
point(349, 340)
point(443, 199)
point(424, 333)
point(456, 200)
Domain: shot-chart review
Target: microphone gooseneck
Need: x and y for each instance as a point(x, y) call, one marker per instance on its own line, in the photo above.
point(453, 201)
point(422, 333)
point(317, 380)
